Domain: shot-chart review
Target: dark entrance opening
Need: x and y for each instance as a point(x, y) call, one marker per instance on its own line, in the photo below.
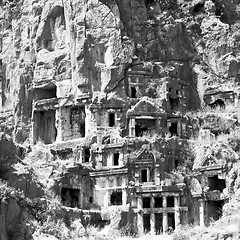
point(77, 121)
point(171, 221)
point(174, 103)
point(144, 175)
point(86, 155)
point(176, 163)
point(133, 92)
point(115, 159)
point(116, 198)
point(70, 197)
point(44, 126)
point(173, 129)
point(45, 93)
point(158, 223)
point(158, 202)
point(111, 119)
point(214, 183)
point(146, 223)
point(199, 8)
point(170, 201)
point(219, 103)
point(214, 209)
point(146, 202)
point(144, 127)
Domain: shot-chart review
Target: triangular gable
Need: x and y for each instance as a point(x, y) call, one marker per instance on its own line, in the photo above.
point(145, 106)
point(209, 160)
point(145, 156)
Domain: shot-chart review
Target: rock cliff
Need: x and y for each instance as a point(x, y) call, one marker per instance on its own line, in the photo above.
point(127, 110)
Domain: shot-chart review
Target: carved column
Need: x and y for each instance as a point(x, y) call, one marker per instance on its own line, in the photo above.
point(177, 212)
point(201, 212)
point(124, 197)
point(152, 217)
point(132, 127)
point(165, 220)
point(106, 199)
point(139, 216)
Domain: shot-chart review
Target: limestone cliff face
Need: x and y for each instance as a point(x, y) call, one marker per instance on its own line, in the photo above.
point(98, 83)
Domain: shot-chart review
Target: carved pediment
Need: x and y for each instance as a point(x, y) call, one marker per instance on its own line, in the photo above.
point(146, 107)
point(145, 156)
point(209, 161)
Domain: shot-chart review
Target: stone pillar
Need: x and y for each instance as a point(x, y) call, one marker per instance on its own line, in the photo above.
point(124, 197)
point(177, 212)
point(139, 203)
point(165, 220)
point(140, 223)
point(139, 216)
point(152, 224)
point(132, 127)
point(201, 212)
point(152, 217)
point(157, 175)
point(179, 126)
point(106, 199)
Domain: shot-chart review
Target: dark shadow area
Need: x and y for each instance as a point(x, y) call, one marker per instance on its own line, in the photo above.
point(70, 197)
point(116, 198)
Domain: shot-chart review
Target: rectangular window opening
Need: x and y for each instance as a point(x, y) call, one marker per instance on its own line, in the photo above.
point(170, 201)
point(116, 198)
point(115, 159)
point(144, 127)
point(111, 119)
point(146, 201)
point(133, 92)
point(144, 175)
point(215, 183)
point(70, 197)
point(45, 93)
point(86, 155)
point(158, 202)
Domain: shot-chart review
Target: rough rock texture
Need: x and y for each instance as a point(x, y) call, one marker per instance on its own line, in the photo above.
point(125, 109)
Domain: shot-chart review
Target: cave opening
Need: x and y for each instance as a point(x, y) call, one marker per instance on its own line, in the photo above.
point(219, 103)
point(147, 2)
point(198, 8)
point(70, 197)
